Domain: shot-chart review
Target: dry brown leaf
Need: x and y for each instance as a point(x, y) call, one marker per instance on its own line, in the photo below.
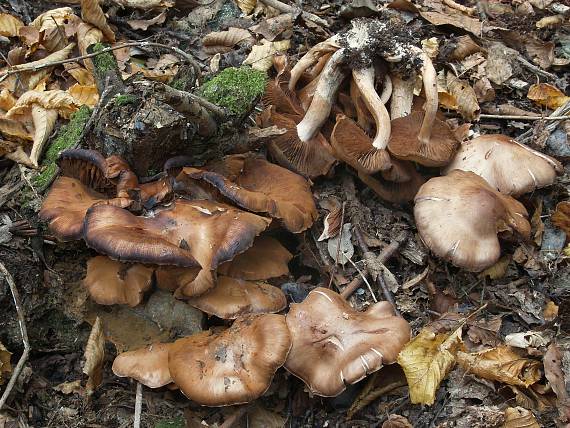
point(553, 372)
point(29, 35)
point(541, 53)
point(54, 18)
point(426, 361)
point(467, 103)
point(484, 90)
point(273, 27)
point(85, 95)
point(94, 357)
point(397, 421)
point(88, 35)
point(224, 41)
point(453, 17)
point(44, 122)
point(446, 100)
point(519, 417)
point(54, 39)
point(57, 99)
point(15, 152)
point(143, 24)
point(547, 95)
point(14, 130)
point(9, 25)
point(561, 217)
point(7, 100)
point(162, 75)
point(501, 364)
point(5, 367)
point(485, 331)
point(80, 74)
point(246, 6)
point(261, 56)
point(464, 46)
point(550, 311)
point(332, 221)
point(92, 13)
point(69, 387)
point(498, 270)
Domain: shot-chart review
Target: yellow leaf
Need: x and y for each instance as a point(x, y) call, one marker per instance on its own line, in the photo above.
point(85, 95)
point(92, 13)
point(9, 25)
point(94, 356)
point(519, 417)
point(7, 100)
point(5, 367)
point(246, 6)
point(56, 99)
point(82, 75)
point(501, 364)
point(261, 56)
point(88, 35)
point(426, 361)
point(53, 18)
point(547, 95)
point(44, 122)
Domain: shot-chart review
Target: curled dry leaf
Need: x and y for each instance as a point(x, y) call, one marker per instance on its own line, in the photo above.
point(85, 95)
point(519, 417)
point(484, 90)
point(273, 27)
point(501, 364)
point(88, 35)
point(426, 361)
point(143, 24)
point(92, 13)
point(14, 130)
point(467, 103)
point(94, 356)
point(54, 18)
point(44, 122)
point(56, 99)
point(446, 15)
point(7, 100)
point(224, 41)
point(332, 220)
point(80, 74)
point(261, 56)
point(9, 25)
point(5, 367)
point(547, 95)
point(14, 152)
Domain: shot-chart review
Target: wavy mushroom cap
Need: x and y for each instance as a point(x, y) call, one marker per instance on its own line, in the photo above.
point(148, 365)
point(262, 187)
point(89, 167)
point(233, 367)
point(459, 216)
point(335, 346)
point(505, 164)
point(185, 234)
point(232, 298)
point(172, 278)
point(114, 283)
point(404, 142)
point(66, 205)
point(351, 145)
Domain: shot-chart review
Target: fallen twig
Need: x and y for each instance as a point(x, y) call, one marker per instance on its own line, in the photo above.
point(535, 69)
point(138, 406)
point(560, 111)
point(514, 117)
point(285, 8)
point(23, 332)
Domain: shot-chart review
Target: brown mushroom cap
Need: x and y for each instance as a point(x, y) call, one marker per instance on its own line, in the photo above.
point(260, 186)
point(405, 144)
point(335, 346)
point(459, 215)
point(67, 203)
point(351, 145)
point(172, 278)
point(507, 165)
point(233, 367)
point(186, 234)
point(232, 298)
point(114, 283)
point(403, 185)
point(147, 365)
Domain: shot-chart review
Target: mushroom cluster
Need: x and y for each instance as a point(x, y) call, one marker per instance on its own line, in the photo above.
point(336, 96)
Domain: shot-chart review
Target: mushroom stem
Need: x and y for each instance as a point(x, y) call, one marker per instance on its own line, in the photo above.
point(402, 97)
point(363, 117)
point(429, 77)
point(311, 57)
point(364, 79)
point(386, 89)
point(320, 108)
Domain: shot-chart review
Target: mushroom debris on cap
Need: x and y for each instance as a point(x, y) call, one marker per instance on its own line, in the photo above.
point(506, 164)
point(187, 234)
point(335, 346)
point(110, 282)
point(459, 217)
point(232, 367)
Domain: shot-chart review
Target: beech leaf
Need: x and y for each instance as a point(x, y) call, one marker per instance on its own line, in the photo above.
point(92, 13)
point(547, 95)
point(44, 122)
point(9, 25)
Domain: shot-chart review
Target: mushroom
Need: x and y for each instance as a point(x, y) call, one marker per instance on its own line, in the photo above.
point(185, 234)
point(506, 164)
point(397, 185)
point(148, 365)
point(114, 283)
point(459, 216)
point(232, 298)
point(335, 346)
point(262, 187)
point(232, 367)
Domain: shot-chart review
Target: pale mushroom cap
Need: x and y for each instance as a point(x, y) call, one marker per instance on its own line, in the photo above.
point(505, 164)
point(459, 215)
point(233, 367)
point(114, 283)
point(147, 365)
point(232, 298)
point(334, 345)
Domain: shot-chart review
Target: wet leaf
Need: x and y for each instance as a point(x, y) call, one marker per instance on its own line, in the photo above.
point(9, 25)
point(94, 357)
point(426, 361)
point(547, 95)
point(261, 56)
point(501, 364)
point(5, 367)
point(85, 94)
point(143, 24)
point(92, 13)
point(44, 122)
point(518, 417)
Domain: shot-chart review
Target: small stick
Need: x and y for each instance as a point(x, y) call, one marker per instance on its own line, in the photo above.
point(514, 117)
point(138, 406)
point(535, 69)
point(560, 111)
point(276, 4)
point(23, 332)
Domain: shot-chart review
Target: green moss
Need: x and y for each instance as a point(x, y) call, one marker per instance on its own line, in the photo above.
point(105, 61)
point(67, 137)
point(122, 100)
point(236, 89)
point(172, 423)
